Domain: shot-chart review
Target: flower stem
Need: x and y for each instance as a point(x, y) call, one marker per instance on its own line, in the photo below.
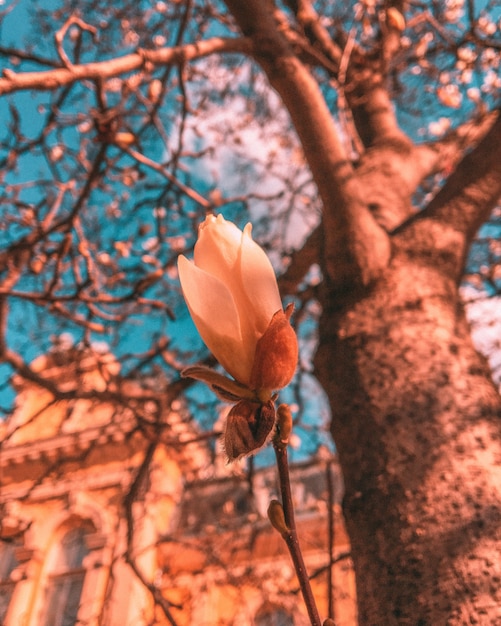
point(289, 532)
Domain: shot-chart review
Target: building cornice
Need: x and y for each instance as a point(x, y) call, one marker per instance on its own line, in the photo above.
point(66, 445)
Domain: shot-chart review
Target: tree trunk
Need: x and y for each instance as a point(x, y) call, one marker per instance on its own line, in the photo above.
point(416, 420)
point(416, 417)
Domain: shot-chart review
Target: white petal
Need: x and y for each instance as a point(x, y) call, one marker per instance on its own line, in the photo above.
point(209, 300)
point(214, 313)
point(218, 251)
point(259, 281)
point(218, 247)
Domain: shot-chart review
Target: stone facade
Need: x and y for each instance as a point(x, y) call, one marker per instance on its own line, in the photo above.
point(107, 523)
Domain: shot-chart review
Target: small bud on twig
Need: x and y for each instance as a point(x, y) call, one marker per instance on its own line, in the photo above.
point(124, 138)
point(277, 518)
point(284, 425)
point(395, 19)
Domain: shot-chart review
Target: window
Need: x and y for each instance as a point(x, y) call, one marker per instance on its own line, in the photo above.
point(66, 579)
point(274, 617)
point(8, 564)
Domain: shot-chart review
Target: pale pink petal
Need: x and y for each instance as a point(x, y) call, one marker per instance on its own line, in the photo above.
point(258, 281)
point(217, 248)
point(214, 313)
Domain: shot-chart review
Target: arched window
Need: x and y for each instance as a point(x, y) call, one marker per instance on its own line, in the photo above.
point(8, 563)
point(274, 616)
point(66, 579)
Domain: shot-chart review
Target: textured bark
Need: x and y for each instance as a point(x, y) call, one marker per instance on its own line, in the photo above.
point(416, 421)
point(415, 416)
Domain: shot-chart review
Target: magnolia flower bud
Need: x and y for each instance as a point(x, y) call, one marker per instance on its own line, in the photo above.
point(232, 295)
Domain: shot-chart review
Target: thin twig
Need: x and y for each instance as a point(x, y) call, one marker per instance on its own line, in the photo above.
point(290, 534)
point(60, 35)
point(331, 535)
point(191, 193)
point(130, 556)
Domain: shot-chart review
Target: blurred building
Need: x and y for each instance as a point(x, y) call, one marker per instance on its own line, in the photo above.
point(111, 517)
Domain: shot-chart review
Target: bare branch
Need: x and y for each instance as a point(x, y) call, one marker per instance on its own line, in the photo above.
point(450, 221)
point(53, 79)
point(191, 193)
point(301, 261)
point(444, 154)
point(473, 189)
point(130, 555)
point(344, 211)
point(61, 33)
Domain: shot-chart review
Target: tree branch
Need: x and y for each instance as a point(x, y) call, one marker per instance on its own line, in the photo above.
point(53, 79)
point(473, 189)
point(131, 552)
point(300, 263)
point(356, 248)
point(445, 153)
point(313, 28)
point(449, 223)
point(390, 173)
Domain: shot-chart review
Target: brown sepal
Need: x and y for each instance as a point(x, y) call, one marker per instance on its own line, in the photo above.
point(225, 388)
point(247, 428)
point(276, 354)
